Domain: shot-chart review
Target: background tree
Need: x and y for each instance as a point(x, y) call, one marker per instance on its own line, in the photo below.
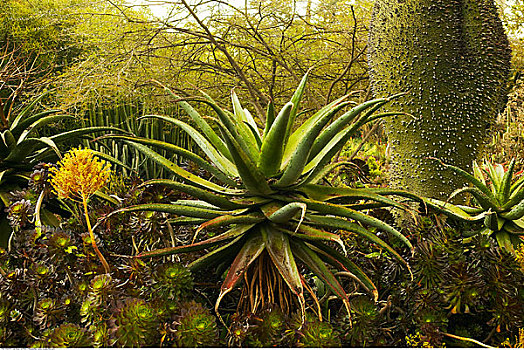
point(453, 59)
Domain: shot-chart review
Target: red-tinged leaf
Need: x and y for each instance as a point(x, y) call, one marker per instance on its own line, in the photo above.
point(228, 235)
point(253, 218)
point(277, 244)
point(178, 209)
point(315, 264)
point(223, 254)
point(326, 193)
point(313, 234)
point(211, 198)
point(270, 208)
point(251, 250)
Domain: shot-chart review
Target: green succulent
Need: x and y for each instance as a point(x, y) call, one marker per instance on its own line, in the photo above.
point(136, 324)
point(195, 326)
point(498, 203)
point(172, 281)
point(317, 334)
point(69, 336)
point(267, 194)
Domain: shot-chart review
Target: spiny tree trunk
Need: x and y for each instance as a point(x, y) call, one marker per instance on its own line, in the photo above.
point(452, 57)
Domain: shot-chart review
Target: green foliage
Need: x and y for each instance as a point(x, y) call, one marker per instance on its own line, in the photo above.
point(498, 203)
point(267, 195)
point(317, 334)
point(136, 324)
point(172, 281)
point(194, 327)
point(452, 58)
point(67, 336)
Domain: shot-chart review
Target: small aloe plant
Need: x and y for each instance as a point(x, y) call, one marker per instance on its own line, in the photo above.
point(268, 197)
point(498, 202)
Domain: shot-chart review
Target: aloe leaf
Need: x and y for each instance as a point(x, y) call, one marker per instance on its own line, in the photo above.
point(277, 245)
point(67, 135)
point(341, 123)
point(252, 178)
point(295, 99)
point(226, 236)
point(505, 184)
point(249, 252)
point(515, 213)
point(477, 172)
point(26, 147)
point(311, 128)
point(243, 114)
point(339, 261)
point(316, 167)
point(504, 240)
point(326, 193)
point(22, 125)
point(181, 173)
point(519, 223)
point(24, 112)
point(338, 210)
point(256, 136)
point(453, 210)
point(223, 220)
point(481, 198)
point(202, 125)
point(241, 136)
point(337, 223)
point(467, 176)
point(106, 197)
point(470, 210)
point(219, 201)
point(218, 159)
point(223, 253)
point(311, 259)
point(181, 152)
point(270, 118)
point(287, 212)
point(517, 186)
point(313, 234)
point(298, 160)
point(513, 228)
point(184, 210)
point(183, 221)
point(314, 172)
point(41, 122)
point(251, 201)
point(495, 174)
point(271, 151)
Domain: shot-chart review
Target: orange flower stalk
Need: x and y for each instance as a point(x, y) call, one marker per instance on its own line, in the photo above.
point(78, 176)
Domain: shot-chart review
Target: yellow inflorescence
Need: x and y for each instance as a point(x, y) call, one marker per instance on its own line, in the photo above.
point(79, 174)
point(519, 254)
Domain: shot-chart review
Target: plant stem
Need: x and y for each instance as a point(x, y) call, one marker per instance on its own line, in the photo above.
point(93, 242)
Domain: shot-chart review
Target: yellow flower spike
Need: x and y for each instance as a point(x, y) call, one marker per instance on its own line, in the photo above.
point(78, 176)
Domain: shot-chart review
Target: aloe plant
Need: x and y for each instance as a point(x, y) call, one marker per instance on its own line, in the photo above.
point(267, 194)
point(498, 202)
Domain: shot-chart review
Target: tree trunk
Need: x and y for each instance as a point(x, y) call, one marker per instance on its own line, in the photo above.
point(452, 58)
